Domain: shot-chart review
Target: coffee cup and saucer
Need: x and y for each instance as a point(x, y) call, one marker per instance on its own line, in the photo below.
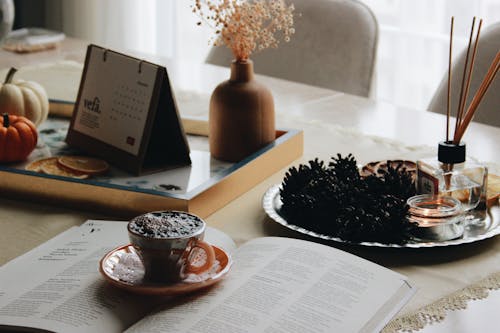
point(167, 256)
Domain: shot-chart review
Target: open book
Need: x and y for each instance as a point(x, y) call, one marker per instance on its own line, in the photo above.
point(275, 285)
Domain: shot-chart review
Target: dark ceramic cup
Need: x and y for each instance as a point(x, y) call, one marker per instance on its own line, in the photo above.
point(165, 240)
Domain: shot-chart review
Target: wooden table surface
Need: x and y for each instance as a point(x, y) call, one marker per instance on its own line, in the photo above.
point(332, 122)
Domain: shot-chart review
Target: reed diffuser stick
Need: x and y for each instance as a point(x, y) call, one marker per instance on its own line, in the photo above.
point(462, 86)
point(448, 103)
point(471, 68)
point(476, 100)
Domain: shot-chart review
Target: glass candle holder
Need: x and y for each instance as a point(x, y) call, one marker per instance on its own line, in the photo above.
point(439, 218)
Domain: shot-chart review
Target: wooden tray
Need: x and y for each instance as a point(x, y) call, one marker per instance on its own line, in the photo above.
point(202, 188)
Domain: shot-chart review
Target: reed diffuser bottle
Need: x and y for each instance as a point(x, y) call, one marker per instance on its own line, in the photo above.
point(453, 176)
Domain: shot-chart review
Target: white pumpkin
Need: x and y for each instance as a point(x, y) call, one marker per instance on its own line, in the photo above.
point(24, 98)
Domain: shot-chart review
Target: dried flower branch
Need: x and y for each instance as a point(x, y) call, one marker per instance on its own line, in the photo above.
point(246, 27)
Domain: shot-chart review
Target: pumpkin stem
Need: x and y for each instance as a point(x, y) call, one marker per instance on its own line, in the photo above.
point(6, 122)
point(10, 75)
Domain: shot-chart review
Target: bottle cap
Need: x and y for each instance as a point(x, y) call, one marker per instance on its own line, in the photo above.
point(448, 152)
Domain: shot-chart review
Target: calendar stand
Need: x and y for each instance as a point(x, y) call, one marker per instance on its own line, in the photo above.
point(126, 113)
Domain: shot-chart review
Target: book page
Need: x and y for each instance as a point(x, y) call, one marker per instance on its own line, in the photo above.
point(57, 286)
point(286, 285)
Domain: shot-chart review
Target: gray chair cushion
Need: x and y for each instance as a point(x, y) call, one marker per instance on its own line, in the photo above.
point(334, 46)
point(488, 111)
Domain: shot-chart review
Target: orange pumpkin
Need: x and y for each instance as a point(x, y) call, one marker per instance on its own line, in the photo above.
point(18, 137)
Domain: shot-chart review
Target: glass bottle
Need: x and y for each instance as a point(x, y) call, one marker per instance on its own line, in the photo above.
point(451, 175)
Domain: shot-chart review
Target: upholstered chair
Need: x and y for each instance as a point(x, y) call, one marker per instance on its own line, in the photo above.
point(334, 46)
point(488, 111)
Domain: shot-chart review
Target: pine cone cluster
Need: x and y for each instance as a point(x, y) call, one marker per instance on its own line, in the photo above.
point(335, 200)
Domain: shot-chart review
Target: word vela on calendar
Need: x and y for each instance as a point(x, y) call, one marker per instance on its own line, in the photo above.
point(126, 114)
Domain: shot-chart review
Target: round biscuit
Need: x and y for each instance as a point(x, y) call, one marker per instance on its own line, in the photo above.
point(84, 164)
point(36, 165)
point(52, 167)
point(493, 190)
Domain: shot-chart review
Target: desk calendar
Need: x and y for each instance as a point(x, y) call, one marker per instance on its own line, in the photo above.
point(126, 113)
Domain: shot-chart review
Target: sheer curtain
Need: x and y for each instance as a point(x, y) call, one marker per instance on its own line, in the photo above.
point(414, 43)
point(413, 46)
point(162, 27)
point(147, 26)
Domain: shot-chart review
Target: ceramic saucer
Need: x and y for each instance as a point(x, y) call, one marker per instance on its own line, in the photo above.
point(123, 268)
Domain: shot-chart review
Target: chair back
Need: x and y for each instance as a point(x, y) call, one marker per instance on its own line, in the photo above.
point(488, 112)
point(334, 46)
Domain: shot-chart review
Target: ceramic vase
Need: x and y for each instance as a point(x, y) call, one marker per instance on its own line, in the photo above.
point(241, 119)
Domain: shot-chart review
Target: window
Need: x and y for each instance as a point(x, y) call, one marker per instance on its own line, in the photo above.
point(413, 44)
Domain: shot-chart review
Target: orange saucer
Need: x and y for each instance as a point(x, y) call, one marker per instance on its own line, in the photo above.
point(123, 269)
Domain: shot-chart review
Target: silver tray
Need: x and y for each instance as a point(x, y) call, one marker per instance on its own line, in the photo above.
point(271, 203)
